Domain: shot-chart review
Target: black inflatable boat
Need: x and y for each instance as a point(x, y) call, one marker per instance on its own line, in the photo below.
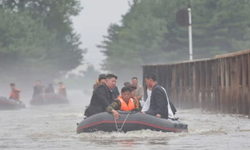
point(47, 99)
point(6, 104)
point(129, 121)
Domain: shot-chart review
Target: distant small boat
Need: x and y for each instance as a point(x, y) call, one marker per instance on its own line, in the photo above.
point(8, 104)
point(129, 121)
point(48, 99)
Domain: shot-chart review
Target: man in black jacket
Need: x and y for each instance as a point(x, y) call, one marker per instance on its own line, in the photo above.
point(102, 96)
point(159, 102)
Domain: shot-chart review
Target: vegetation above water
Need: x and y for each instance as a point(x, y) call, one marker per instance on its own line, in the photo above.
point(149, 33)
point(37, 39)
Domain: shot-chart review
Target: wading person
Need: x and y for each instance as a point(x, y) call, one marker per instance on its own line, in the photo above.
point(102, 96)
point(139, 89)
point(62, 89)
point(160, 106)
point(123, 102)
point(15, 93)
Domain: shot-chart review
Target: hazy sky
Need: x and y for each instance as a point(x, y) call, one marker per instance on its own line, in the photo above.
point(93, 22)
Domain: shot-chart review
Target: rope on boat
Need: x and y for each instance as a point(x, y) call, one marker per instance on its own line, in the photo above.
point(120, 129)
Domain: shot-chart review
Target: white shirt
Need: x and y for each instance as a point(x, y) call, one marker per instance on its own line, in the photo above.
point(147, 103)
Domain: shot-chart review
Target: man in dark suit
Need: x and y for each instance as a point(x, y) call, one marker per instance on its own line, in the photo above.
point(102, 96)
point(160, 106)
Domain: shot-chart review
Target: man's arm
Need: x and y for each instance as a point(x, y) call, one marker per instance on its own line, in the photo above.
point(116, 105)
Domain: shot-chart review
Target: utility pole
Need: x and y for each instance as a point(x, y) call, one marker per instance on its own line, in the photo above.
point(190, 31)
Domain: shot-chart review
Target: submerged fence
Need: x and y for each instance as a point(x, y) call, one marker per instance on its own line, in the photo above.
point(217, 84)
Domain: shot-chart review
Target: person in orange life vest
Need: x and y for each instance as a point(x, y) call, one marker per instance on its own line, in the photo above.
point(123, 102)
point(133, 91)
point(62, 89)
point(15, 93)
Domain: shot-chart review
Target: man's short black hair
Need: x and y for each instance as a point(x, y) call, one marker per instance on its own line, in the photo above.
point(109, 76)
point(134, 78)
point(12, 84)
point(151, 76)
point(101, 76)
point(126, 89)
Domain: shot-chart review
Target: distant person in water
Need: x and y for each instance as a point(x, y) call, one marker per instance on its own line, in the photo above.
point(102, 96)
point(62, 89)
point(101, 79)
point(15, 93)
point(50, 89)
point(38, 88)
point(123, 102)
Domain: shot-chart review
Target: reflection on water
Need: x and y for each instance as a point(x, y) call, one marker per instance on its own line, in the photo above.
point(54, 127)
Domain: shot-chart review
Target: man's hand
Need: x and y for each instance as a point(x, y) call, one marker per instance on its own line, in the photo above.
point(143, 112)
point(116, 114)
point(158, 115)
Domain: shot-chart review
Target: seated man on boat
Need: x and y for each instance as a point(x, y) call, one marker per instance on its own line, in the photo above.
point(38, 88)
point(160, 106)
point(102, 96)
point(50, 89)
point(15, 93)
point(123, 102)
point(133, 96)
point(62, 89)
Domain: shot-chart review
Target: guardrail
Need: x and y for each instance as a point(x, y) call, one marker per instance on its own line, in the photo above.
point(217, 84)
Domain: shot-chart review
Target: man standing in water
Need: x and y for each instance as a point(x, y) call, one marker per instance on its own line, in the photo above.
point(62, 89)
point(160, 106)
point(102, 96)
point(15, 93)
point(38, 88)
point(139, 89)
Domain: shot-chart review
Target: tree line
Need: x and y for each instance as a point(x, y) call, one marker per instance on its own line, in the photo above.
point(148, 33)
point(37, 39)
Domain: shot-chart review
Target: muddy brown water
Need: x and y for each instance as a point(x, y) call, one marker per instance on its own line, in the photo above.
point(54, 128)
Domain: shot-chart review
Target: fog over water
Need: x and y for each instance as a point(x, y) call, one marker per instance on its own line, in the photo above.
point(54, 127)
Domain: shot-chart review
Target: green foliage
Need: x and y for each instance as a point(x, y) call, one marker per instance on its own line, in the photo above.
point(37, 39)
point(149, 33)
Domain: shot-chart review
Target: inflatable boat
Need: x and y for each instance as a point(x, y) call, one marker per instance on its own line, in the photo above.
point(47, 99)
point(129, 121)
point(6, 104)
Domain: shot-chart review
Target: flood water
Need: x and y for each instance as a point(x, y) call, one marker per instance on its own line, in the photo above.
point(54, 127)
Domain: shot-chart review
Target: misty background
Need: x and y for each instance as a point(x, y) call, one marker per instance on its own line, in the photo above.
point(75, 40)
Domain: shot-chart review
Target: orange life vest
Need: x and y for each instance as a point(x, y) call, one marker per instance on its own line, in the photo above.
point(125, 106)
point(15, 94)
point(137, 102)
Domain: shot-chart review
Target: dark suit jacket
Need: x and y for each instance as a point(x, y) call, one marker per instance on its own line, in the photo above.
point(159, 103)
point(100, 100)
